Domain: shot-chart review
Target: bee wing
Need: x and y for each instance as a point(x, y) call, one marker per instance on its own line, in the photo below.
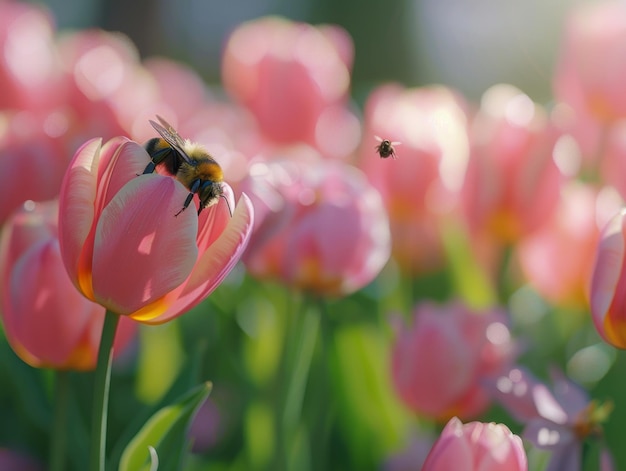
point(170, 135)
point(378, 138)
point(396, 143)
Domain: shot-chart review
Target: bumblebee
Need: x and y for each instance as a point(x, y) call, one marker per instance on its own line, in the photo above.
point(385, 148)
point(188, 162)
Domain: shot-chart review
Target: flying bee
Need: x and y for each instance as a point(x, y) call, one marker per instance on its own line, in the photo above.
point(188, 162)
point(385, 148)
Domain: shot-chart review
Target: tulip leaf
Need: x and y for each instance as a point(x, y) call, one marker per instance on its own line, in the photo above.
point(165, 432)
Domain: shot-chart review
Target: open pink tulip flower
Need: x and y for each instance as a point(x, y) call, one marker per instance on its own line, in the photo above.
point(321, 227)
point(591, 70)
point(476, 446)
point(557, 419)
point(124, 248)
point(608, 283)
point(422, 184)
point(294, 78)
point(512, 185)
point(439, 363)
point(48, 323)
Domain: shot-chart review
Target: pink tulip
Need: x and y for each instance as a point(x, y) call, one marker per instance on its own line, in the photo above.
point(613, 157)
point(476, 446)
point(106, 87)
point(47, 321)
point(422, 184)
point(591, 70)
point(558, 258)
point(291, 76)
point(438, 364)
point(124, 248)
point(608, 284)
point(512, 186)
point(33, 161)
point(29, 73)
point(321, 226)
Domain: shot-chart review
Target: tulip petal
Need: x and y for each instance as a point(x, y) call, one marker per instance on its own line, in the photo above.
point(215, 263)
point(40, 286)
point(76, 206)
point(141, 251)
point(121, 160)
point(451, 450)
point(605, 283)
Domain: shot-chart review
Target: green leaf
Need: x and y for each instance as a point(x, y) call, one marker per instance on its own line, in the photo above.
point(165, 431)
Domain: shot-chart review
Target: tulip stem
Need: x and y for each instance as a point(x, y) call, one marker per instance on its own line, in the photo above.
point(300, 337)
point(101, 393)
point(58, 439)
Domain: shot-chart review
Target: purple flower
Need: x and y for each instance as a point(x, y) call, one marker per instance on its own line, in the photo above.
point(558, 419)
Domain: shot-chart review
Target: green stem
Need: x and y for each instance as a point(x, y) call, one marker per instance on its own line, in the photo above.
point(101, 393)
point(58, 439)
point(307, 337)
point(300, 336)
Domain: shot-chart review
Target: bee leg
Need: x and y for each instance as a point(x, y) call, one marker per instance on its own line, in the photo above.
point(149, 168)
point(228, 205)
point(157, 157)
point(192, 191)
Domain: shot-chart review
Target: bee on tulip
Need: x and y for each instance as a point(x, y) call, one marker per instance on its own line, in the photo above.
point(189, 162)
point(385, 148)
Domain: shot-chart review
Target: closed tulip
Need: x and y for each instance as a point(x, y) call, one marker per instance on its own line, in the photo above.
point(124, 248)
point(512, 185)
point(476, 446)
point(439, 363)
point(292, 77)
point(47, 321)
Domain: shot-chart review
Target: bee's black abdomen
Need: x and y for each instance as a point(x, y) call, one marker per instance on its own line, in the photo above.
point(162, 153)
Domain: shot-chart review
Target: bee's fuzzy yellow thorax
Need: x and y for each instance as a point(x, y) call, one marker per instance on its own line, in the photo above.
point(210, 171)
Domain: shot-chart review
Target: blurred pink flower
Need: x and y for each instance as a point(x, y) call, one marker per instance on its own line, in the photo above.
point(591, 69)
point(47, 321)
point(122, 245)
point(608, 284)
point(439, 362)
point(180, 87)
point(559, 420)
point(512, 186)
point(558, 258)
point(32, 159)
point(229, 133)
point(321, 227)
point(613, 156)
point(476, 446)
point(295, 80)
point(423, 183)
point(106, 86)
point(29, 71)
